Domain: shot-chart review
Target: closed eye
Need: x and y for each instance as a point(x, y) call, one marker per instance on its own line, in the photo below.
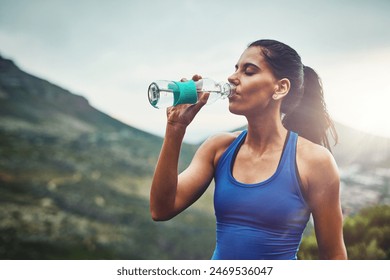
point(248, 69)
point(249, 72)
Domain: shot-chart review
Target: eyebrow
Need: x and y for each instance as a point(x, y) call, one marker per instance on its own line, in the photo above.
point(248, 64)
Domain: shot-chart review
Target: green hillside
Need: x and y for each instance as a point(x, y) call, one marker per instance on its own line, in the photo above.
point(366, 235)
point(74, 182)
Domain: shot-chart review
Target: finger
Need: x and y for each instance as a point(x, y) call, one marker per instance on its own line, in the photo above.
point(196, 77)
point(204, 97)
point(198, 105)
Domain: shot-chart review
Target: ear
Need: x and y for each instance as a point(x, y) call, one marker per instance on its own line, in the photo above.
point(282, 87)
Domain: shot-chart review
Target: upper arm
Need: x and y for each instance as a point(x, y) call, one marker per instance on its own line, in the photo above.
point(195, 179)
point(323, 196)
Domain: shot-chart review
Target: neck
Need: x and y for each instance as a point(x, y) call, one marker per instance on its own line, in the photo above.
point(265, 132)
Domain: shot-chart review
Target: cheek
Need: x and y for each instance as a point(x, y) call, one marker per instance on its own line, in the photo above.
point(255, 94)
point(260, 89)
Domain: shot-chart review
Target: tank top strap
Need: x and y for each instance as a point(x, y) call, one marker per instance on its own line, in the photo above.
point(232, 147)
point(291, 146)
point(239, 138)
point(288, 151)
point(288, 157)
point(290, 163)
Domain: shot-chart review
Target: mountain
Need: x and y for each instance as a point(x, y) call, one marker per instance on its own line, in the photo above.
point(74, 182)
point(357, 147)
point(364, 162)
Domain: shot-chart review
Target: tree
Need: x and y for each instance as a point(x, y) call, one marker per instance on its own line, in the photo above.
point(366, 236)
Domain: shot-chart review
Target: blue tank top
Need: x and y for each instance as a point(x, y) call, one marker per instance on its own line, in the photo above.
point(263, 220)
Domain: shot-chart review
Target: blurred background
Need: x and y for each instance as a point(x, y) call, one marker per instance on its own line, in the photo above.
point(79, 140)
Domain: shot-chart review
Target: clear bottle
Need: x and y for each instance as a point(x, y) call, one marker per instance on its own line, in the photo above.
point(163, 94)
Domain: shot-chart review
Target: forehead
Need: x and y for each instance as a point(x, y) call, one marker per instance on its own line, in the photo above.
point(252, 55)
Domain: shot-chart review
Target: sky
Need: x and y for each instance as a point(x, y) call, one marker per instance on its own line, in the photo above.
point(110, 51)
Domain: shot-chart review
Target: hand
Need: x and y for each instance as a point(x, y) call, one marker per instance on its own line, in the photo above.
point(183, 114)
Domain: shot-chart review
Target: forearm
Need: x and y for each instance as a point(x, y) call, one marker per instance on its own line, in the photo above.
point(164, 184)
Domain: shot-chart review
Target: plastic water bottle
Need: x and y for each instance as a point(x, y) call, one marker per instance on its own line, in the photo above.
point(163, 94)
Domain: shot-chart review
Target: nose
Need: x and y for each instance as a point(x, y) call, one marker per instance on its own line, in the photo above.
point(233, 79)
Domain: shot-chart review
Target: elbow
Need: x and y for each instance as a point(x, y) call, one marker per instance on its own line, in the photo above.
point(160, 217)
point(161, 212)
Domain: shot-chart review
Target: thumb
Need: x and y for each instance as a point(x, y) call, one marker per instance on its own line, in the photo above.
point(195, 108)
point(204, 97)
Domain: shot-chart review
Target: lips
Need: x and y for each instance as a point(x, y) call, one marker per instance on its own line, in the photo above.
point(234, 93)
point(233, 97)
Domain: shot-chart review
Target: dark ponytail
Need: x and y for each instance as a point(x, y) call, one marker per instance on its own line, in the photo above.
point(304, 109)
point(310, 118)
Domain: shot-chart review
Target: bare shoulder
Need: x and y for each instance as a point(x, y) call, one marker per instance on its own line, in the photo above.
point(316, 164)
point(217, 144)
point(313, 153)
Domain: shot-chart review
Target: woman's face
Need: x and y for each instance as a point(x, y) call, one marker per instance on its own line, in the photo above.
point(255, 84)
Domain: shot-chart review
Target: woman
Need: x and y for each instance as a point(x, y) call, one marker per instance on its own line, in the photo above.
point(268, 180)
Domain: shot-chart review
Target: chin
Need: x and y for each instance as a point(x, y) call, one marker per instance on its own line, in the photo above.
point(234, 110)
